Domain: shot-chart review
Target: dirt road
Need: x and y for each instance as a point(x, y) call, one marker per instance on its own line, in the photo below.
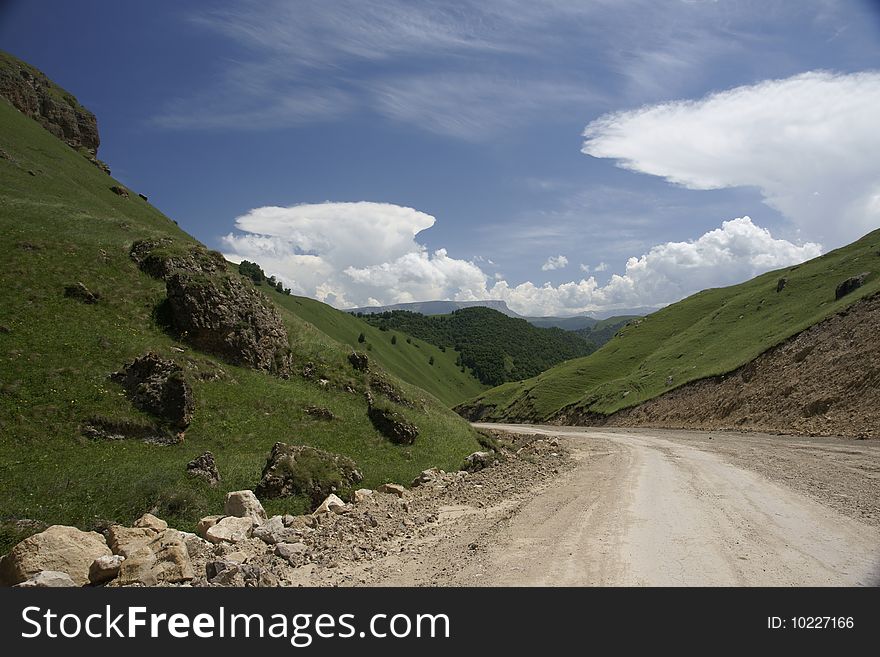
point(646, 510)
point(657, 508)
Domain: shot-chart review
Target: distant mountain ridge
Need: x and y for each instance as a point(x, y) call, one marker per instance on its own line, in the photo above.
point(436, 307)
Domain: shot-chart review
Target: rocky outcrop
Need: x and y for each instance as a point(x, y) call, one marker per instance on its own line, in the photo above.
point(223, 316)
point(304, 470)
point(359, 361)
point(851, 284)
point(58, 548)
point(35, 95)
point(157, 386)
point(163, 256)
point(391, 424)
point(204, 467)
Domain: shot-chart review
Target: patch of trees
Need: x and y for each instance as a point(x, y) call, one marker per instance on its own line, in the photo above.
point(255, 273)
point(495, 347)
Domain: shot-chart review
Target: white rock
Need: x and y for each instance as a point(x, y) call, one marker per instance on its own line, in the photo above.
point(331, 504)
point(362, 495)
point(105, 568)
point(47, 579)
point(58, 548)
point(231, 529)
point(206, 523)
point(244, 504)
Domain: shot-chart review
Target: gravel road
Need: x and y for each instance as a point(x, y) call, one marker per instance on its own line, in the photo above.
point(671, 508)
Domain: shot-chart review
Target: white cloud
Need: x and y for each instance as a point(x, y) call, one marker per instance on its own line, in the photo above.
point(585, 268)
point(602, 266)
point(555, 262)
point(355, 254)
point(791, 138)
point(737, 251)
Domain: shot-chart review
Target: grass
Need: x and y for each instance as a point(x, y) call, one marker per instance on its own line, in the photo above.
point(64, 225)
point(407, 360)
point(708, 334)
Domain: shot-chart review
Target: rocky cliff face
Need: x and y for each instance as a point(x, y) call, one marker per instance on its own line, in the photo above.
point(35, 95)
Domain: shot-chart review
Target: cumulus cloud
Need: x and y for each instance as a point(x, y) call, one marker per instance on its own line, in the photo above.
point(555, 262)
point(355, 254)
point(602, 266)
point(585, 268)
point(808, 142)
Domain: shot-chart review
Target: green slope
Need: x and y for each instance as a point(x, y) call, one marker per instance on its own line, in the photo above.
point(711, 333)
point(64, 225)
point(495, 347)
point(408, 360)
point(603, 330)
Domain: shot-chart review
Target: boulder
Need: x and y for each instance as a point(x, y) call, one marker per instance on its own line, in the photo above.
point(244, 504)
point(850, 285)
point(230, 530)
point(204, 467)
point(162, 560)
point(780, 284)
point(119, 191)
point(80, 292)
point(304, 470)
point(47, 579)
point(331, 505)
point(362, 495)
point(206, 523)
point(157, 386)
point(270, 530)
point(105, 568)
point(478, 461)
point(392, 489)
point(150, 521)
point(359, 361)
point(222, 315)
point(393, 425)
point(58, 548)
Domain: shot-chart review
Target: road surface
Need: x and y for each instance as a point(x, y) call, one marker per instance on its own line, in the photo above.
point(642, 508)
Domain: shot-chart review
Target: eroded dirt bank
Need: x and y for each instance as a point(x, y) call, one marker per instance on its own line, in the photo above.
point(824, 381)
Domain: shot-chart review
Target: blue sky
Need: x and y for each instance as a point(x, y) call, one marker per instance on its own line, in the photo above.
point(398, 151)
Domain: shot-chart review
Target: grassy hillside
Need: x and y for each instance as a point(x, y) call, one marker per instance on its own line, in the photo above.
point(61, 224)
point(411, 361)
point(711, 333)
point(604, 329)
point(495, 347)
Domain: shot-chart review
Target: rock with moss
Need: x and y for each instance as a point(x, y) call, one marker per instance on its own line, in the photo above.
point(157, 385)
point(161, 257)
point(222, 315)
point(304, 470)
point(391, 424)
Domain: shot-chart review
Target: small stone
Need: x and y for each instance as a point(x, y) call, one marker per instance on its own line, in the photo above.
point(392, 489)
point(206, 523)
point(331, 504)
point(204, 467)
point(361, 495)
point(150, 521)
point(105, 568)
